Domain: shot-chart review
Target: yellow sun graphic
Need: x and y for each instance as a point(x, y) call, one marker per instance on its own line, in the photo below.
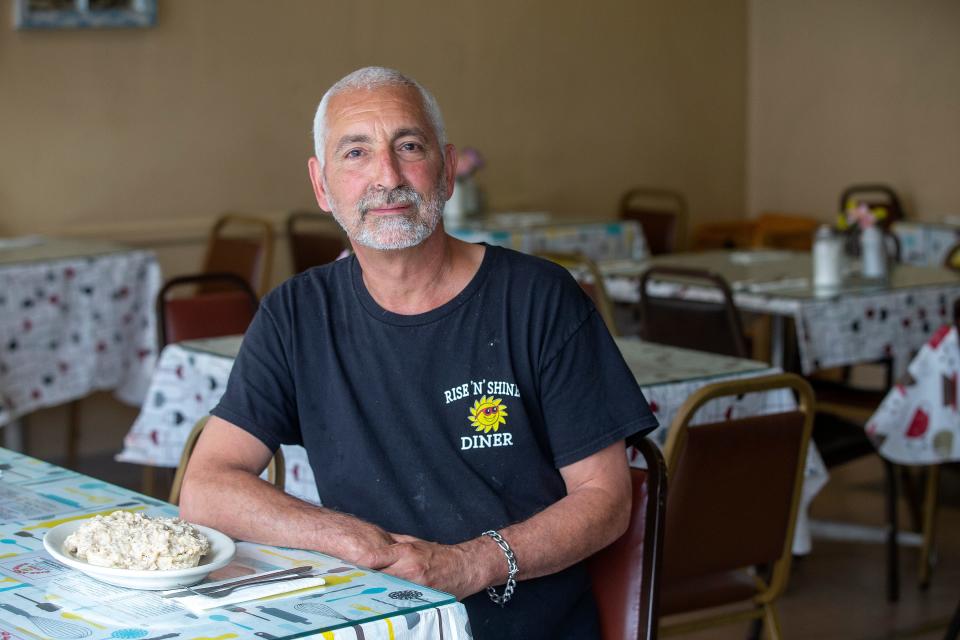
point(488, 414)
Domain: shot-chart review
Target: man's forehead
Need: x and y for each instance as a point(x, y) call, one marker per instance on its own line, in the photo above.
point(396, 105)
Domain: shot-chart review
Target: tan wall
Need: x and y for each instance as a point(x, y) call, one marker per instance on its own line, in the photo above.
point(571, 103)
point(846, 91)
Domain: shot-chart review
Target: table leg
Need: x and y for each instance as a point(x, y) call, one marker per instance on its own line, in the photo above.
point(13, 435)
point(777, 339)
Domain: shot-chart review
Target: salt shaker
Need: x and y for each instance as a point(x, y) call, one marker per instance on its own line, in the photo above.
point(827, 258)
point(873, 254)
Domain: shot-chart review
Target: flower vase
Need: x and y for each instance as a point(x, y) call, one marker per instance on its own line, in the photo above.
point(463, 205)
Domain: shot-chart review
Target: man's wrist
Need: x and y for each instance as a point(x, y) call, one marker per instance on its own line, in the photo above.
point(484, 560)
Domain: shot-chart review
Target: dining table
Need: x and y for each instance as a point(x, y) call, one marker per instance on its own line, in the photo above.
point(863, 320)
point(44, 598)
point(76, 316)
point(191, 376)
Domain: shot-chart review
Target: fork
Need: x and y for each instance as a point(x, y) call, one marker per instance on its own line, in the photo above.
point(227, 590)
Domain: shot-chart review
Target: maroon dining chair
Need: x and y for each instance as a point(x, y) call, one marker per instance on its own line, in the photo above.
point(735, 488)
point(715, 327)
point(228, 310)
point(242, 245)
point(314, 239)
point(662, 214)
point(626, 574)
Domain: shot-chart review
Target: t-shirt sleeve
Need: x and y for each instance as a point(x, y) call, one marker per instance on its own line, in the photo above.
point(260, 394)
point(590, 397)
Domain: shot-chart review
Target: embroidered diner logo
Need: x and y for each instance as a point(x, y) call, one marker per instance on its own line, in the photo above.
point(486, 415)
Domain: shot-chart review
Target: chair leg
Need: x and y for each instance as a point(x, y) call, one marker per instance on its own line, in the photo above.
point(893, 559)
point(953, 629)
point(912, 491)
point(148, 480)
point(930, 502)
point(73, 434)
point(773, 621)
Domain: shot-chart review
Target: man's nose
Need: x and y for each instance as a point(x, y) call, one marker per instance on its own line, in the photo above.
point(388, 171)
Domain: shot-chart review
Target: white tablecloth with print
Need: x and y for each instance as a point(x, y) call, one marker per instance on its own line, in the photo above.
point(925, 243)
point(191, 377)
point(75, 317)
point(919, 420)
point(611, 240)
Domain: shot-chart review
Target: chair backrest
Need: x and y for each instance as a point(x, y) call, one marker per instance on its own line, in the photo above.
point(626, 574)
point(874, 195)
point(692, 324)
point(735, 486)
point(242, 245)
point(662, 213)
point(314, 239)
point(275, 469)
point(224, 312)
point(590, 278)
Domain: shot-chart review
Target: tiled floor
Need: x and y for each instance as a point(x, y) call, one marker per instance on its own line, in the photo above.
point(837, 592)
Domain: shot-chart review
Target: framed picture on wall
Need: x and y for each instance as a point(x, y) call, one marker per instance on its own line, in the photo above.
point(83, 14)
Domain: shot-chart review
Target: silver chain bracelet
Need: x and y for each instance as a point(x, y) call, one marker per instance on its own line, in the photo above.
point(512, 570)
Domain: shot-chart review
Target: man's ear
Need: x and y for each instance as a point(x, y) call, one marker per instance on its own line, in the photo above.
point(450, 167)
point(316, 179)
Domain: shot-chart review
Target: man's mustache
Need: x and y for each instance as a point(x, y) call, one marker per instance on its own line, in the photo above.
point(379, 198)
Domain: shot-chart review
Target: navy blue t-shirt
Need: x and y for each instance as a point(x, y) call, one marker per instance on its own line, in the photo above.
point(444, 424)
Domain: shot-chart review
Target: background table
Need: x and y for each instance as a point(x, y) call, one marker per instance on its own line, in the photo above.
point(75, 317)
point(191, 377)
point(864, 321)
point(597, 240)
point(40, 597)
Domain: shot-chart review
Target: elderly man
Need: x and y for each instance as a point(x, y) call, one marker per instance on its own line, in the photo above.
point(463, 406)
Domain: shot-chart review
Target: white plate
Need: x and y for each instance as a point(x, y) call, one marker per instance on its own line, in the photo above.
point(222, 550)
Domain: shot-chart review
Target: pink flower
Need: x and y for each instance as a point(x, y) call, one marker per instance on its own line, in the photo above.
point(469, 161)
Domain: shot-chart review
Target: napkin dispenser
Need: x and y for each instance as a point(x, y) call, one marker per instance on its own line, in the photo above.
point(827, 259)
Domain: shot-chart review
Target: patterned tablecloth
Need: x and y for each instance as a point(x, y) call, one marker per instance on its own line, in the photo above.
point(612, 240)
point(191, 377)
point(925, 243)
point(865, 321)
point(919, 420)
point(42, 598)
point(75, 317)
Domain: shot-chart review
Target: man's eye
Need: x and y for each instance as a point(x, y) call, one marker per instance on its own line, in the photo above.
point(354, 153)
point(411, 146)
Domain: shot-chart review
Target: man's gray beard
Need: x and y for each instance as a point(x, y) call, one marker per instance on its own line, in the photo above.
point(400, 231)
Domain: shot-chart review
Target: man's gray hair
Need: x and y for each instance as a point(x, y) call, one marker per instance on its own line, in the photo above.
point(374, 78)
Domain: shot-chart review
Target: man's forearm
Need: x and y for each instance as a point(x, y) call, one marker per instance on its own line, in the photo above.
point(245, 507)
